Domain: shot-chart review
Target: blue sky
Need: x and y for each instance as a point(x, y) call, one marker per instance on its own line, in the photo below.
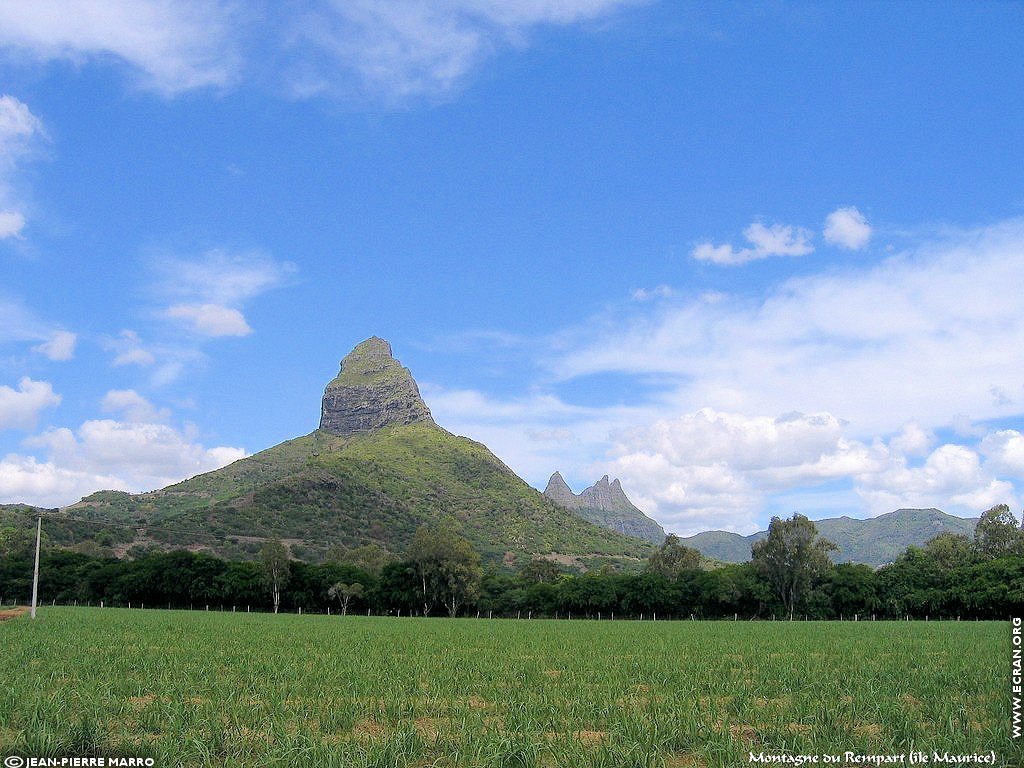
point(751, 258)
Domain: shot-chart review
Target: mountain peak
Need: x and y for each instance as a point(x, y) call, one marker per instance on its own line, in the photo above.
point(371, 391)
point(605, 503)
point(560, 492)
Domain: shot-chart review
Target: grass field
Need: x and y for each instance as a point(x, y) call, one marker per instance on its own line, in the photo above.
point(254, 690)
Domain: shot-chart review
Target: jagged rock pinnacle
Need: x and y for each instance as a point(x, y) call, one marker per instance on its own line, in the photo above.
point(605, 503)
point(372, 390)
point(560, 492)
point(599, 495)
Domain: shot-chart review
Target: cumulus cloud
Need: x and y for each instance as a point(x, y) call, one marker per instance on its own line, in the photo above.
point(689, 499)
point(404, 48)
point(847, 228)
point(129, 350)
point(106, 454)
point(952, 478)
point(868, 367)
point(20, 408)
point(922, 336)
point(1004, 449)
point(776, 240)
point(712, 470)
point(709, 469)
point(133, 407)
point(211, 319)
point(26, 480)
point(215, 287)
point(913, 440)
point(60, 346)
point(170, 47)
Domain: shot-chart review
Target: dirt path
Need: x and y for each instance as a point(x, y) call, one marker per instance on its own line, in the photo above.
point(12, 613)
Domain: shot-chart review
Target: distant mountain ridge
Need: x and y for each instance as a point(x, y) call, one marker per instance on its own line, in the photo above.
point(379, 467)
point(605, 504)
point(376, 469)
point(875, 541)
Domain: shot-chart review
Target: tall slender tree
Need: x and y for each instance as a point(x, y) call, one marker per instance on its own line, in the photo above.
point(446, 566)
point(276, 568)
point(791, 558)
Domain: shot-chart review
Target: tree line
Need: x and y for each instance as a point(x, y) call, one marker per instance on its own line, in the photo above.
point(788, 576)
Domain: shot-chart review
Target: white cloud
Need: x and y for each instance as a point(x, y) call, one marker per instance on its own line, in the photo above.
point(871, 363)
point(1004, 450)
point(388, 50)
point(19, 133)
point(661, 292)
point(60, 346)
point(689, 499)
point(20, 408)
point(211, 319)
point(913, 440)
point(26, 480)
point(847, 228)
point(106, 454)
point(952, 478)
point(530, 433)
point(18, 128)
point(710, 469)
point(11, 224)
point(405, 48)
point(776, 240)
point(170, 46)
point(922, 336)
point(133, 407)
point(220, 277)
point(129, 350)
point(215, 287)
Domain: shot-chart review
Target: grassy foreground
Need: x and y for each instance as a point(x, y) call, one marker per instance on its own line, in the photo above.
point(256, 690)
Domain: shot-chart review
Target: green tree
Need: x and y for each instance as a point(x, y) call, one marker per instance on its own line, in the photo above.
point(540, 571)
point(950, 550)
point(276, 568)
point(672, 559)
point(20, 540)
point(345, 592)
point(998, 533)
point(791, 558)
point(370, 557)
point(446, 566)
point(849, 590)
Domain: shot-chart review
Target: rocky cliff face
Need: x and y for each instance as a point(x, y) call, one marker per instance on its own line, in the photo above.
point(372, 390)
point(607, 496)
point(605, 504)
point(560, 493)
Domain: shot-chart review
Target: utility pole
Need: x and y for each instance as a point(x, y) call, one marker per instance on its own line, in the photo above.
point(35, 572)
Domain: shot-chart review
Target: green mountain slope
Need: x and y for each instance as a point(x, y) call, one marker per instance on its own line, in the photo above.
point(874, 541)
point(377, 469)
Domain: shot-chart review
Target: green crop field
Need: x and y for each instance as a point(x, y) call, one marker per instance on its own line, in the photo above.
point(197, 689)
